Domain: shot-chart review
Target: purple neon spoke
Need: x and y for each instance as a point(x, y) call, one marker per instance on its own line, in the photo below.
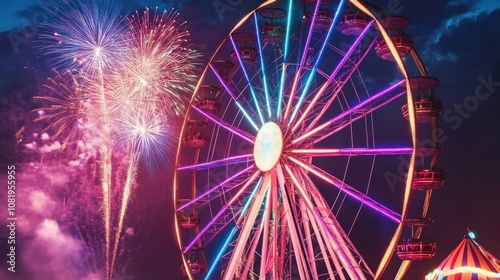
point(351, 191)
point(361, 112)
point(216, 163)
point(215, 188)
point(319, 56)
point(363, 108)
point(230, 92)
point(221, 211)
point(254, 97)
point(223, 82)
point(211, 235)
point(354, 151)
point(243, 134)
point(337, 69)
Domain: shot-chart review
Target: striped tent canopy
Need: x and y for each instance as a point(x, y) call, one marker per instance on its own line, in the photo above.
point(469, 261)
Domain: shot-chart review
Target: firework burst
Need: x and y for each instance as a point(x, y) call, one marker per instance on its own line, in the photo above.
point(84, 37)
point(157, 65)
point(148, 134)
point(69, 106)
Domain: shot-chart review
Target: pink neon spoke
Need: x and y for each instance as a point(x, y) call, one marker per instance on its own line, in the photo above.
point(222, 210)
point(304, 195)
point(244, 135)
point(349, 190)
point(349, 116)
point(353, 152)
point(217, 163)
point(228, 180)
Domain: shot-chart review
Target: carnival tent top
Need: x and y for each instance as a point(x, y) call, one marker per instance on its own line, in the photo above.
point(469, 261)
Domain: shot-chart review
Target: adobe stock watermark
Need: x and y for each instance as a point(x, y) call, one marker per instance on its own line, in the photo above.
point(45, 10)
point(224, 6)
point(11, 217)
point(454, 116)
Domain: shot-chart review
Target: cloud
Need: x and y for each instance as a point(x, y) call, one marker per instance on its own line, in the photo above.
point(9, 14)
point(481, 8)
point(463, 17)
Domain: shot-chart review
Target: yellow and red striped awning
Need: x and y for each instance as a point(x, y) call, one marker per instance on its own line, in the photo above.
point(469, 261)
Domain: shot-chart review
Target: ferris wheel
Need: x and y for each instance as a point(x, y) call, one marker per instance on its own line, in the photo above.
point(290, 158)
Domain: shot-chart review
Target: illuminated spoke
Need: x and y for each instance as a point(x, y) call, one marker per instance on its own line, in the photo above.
point(222, 210)
point(353, 152)
point(254, 97)
point(349, 190)
point(328, 252)
point(291, 222)
point(320, 56)
point(265, 225)
point(230, 92)
point(227, 218)
point(262, 66)
point(254, 209)
point(216, 228)
point(215, 188)
point(217, 163)
point(301, 63)
point(320, 201)
point(281, 90)
point(215, 263)
point(243, 134)
point(343, 253)
point(340, 75)
point(353, 114)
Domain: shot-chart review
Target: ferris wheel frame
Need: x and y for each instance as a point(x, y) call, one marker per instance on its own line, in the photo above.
point(275, 131)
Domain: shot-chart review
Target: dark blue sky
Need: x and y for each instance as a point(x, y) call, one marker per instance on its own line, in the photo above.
point(459, 42)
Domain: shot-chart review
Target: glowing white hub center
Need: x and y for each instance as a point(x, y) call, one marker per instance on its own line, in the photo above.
point(268, 146)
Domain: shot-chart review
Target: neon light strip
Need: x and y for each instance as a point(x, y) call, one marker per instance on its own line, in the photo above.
point(215, 188)
point(285, 56)
point(246, 229)
point(463, 269)
point(262, 66)
point(313, 70)
point(247, 117)
point(244, 135)
point(249, 199)
point(254, 97)
point(357, 113)
point(352, 192)
point(332, 222)
point(219, 255)
point(332, 76)
point(354, 151)
point(345, 260)
point(221, 211)
point(368, 101)
point(293, 224)
point(216, 163)
point(302, 62)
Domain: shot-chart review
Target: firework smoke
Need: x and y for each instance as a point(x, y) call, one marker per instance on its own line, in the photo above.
point(126, 77)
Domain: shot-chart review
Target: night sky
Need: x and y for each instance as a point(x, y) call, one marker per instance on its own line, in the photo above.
point(458, 41)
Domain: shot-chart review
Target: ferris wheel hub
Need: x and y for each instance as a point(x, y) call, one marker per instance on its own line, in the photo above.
point(268, 146)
